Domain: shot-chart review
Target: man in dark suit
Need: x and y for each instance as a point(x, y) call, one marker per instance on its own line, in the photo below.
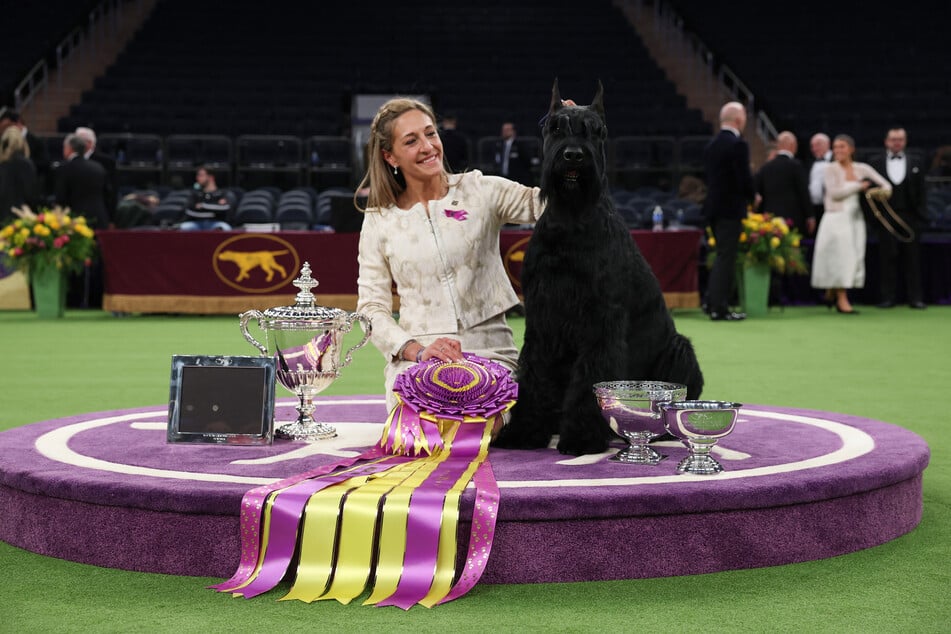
point(906, 174)
point(81, 184)
point(782, 186)
point(729, 191)
point(92, 153)
point(512, 158)
point(455, 145)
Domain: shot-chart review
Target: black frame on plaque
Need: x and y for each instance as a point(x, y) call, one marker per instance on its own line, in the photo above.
point(226, 400)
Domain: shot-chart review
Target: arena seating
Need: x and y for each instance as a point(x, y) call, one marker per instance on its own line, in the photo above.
point(197, 67)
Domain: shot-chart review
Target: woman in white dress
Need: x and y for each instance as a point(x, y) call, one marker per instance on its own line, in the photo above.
point(838, 261)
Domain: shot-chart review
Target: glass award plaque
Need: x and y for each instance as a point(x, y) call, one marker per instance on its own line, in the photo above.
point(221, 399)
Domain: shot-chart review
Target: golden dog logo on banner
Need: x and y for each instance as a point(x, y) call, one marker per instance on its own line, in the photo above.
point(255, 263)
point(512, 260)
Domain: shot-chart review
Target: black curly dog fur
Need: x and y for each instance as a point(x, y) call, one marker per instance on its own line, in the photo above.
point(594, 310)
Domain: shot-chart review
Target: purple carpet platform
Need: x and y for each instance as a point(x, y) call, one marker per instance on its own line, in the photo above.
point(797, 485)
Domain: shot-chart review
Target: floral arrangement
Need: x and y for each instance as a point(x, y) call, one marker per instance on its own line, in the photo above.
point(766, 239)
point(50, 239)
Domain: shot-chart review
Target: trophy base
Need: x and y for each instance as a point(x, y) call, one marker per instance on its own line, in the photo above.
point(699, 465)
point(638, 454)
point(308, 432)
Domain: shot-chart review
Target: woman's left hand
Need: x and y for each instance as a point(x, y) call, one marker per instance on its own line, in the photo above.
point(443, 348)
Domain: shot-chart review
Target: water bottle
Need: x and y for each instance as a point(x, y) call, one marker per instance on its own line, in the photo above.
point(658, 218)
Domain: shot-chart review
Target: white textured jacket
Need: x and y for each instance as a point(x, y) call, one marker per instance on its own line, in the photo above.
point(443, 261)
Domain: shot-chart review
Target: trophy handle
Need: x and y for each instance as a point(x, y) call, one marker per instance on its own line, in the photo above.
point(245, 318)
point(367, 329)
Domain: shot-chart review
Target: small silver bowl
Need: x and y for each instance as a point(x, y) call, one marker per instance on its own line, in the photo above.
point(631, 408)
point(699, 425)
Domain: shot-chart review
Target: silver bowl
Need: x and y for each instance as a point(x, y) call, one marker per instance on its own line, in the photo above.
point(632, 409)
point(699, 425)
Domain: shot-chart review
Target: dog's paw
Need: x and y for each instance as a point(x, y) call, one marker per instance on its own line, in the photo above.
point(582, 446)
point(515, 438)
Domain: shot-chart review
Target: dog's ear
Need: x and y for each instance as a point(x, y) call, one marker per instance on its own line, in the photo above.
point(555, 99)
point(598, 102)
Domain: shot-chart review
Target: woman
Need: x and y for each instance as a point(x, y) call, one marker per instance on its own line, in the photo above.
point(17, 174)
point(434, 236)
point(838, 261)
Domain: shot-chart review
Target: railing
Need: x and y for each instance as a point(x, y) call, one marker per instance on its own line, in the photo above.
point(78, 40)
point(35, 80)
point(702, 61)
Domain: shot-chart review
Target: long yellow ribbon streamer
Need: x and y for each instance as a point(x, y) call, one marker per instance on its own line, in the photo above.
point(357, 529)
point(393, 528)
point(318, 540)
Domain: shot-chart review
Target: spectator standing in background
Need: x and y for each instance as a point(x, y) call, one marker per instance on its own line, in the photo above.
point(821, 147)
point(82, 184)
point(782, 187)
point(108, 163)
point(17, 174)
point(906, 175)
point(455, 145)
point(512, 158)
point(729, 192)
point(38, 153)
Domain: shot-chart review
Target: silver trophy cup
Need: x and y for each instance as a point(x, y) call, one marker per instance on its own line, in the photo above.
point(307, 341)
point(632, 409)
point(699, 425)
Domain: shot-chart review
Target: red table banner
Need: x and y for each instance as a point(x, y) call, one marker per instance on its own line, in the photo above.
point(221, 272)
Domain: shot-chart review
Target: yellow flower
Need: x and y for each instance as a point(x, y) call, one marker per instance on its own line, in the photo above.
point(53, 223)
point(24, 233)
point(711, 242)
point(83, 230)
point(6, 232)
point(41, 230)
point(795, 243)
point(743, 237)
point(774, 242)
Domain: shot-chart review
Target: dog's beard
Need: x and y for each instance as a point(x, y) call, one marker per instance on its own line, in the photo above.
point(571, 183)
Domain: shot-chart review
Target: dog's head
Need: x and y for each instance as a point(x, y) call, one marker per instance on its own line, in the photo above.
point(574, 160)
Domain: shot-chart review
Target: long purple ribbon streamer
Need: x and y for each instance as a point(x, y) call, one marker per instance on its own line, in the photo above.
point(252, 506)
point(484, 516)
point(425, 518)
point(286, 513)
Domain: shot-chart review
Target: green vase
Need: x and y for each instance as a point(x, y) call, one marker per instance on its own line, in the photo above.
point(754, 289)
point(49, 292)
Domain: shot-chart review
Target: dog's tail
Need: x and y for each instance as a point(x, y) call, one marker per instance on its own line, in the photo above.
point(678, 364)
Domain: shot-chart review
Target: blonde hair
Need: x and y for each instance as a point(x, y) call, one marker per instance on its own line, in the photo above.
point(13, 143)
point(385, 186)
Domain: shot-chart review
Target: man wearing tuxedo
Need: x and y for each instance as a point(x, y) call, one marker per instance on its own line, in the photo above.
point(512, 159)
point(729, 192)
point(782, 188)
point(906, 174)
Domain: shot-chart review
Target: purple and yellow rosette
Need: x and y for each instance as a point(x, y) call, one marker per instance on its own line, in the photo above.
point(393, 510)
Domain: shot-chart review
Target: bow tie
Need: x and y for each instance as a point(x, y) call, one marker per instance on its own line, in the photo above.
point(896, 156)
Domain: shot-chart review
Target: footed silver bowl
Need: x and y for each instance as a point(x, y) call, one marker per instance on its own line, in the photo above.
point(699, 425)
point(632, 409)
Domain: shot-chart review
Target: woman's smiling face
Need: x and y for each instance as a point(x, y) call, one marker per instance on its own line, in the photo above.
point(417, 149)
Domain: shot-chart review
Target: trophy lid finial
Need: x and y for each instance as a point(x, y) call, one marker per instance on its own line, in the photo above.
point(305, 282)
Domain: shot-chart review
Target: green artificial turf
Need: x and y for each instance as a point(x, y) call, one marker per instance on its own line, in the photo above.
point(890, 365)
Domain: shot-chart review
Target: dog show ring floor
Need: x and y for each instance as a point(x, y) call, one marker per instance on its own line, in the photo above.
point(106, 489)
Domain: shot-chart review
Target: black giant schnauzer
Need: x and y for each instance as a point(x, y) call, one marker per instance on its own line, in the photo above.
point(594, 310)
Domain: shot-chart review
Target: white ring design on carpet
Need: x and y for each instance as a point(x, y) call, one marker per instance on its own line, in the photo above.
point(55, 446)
